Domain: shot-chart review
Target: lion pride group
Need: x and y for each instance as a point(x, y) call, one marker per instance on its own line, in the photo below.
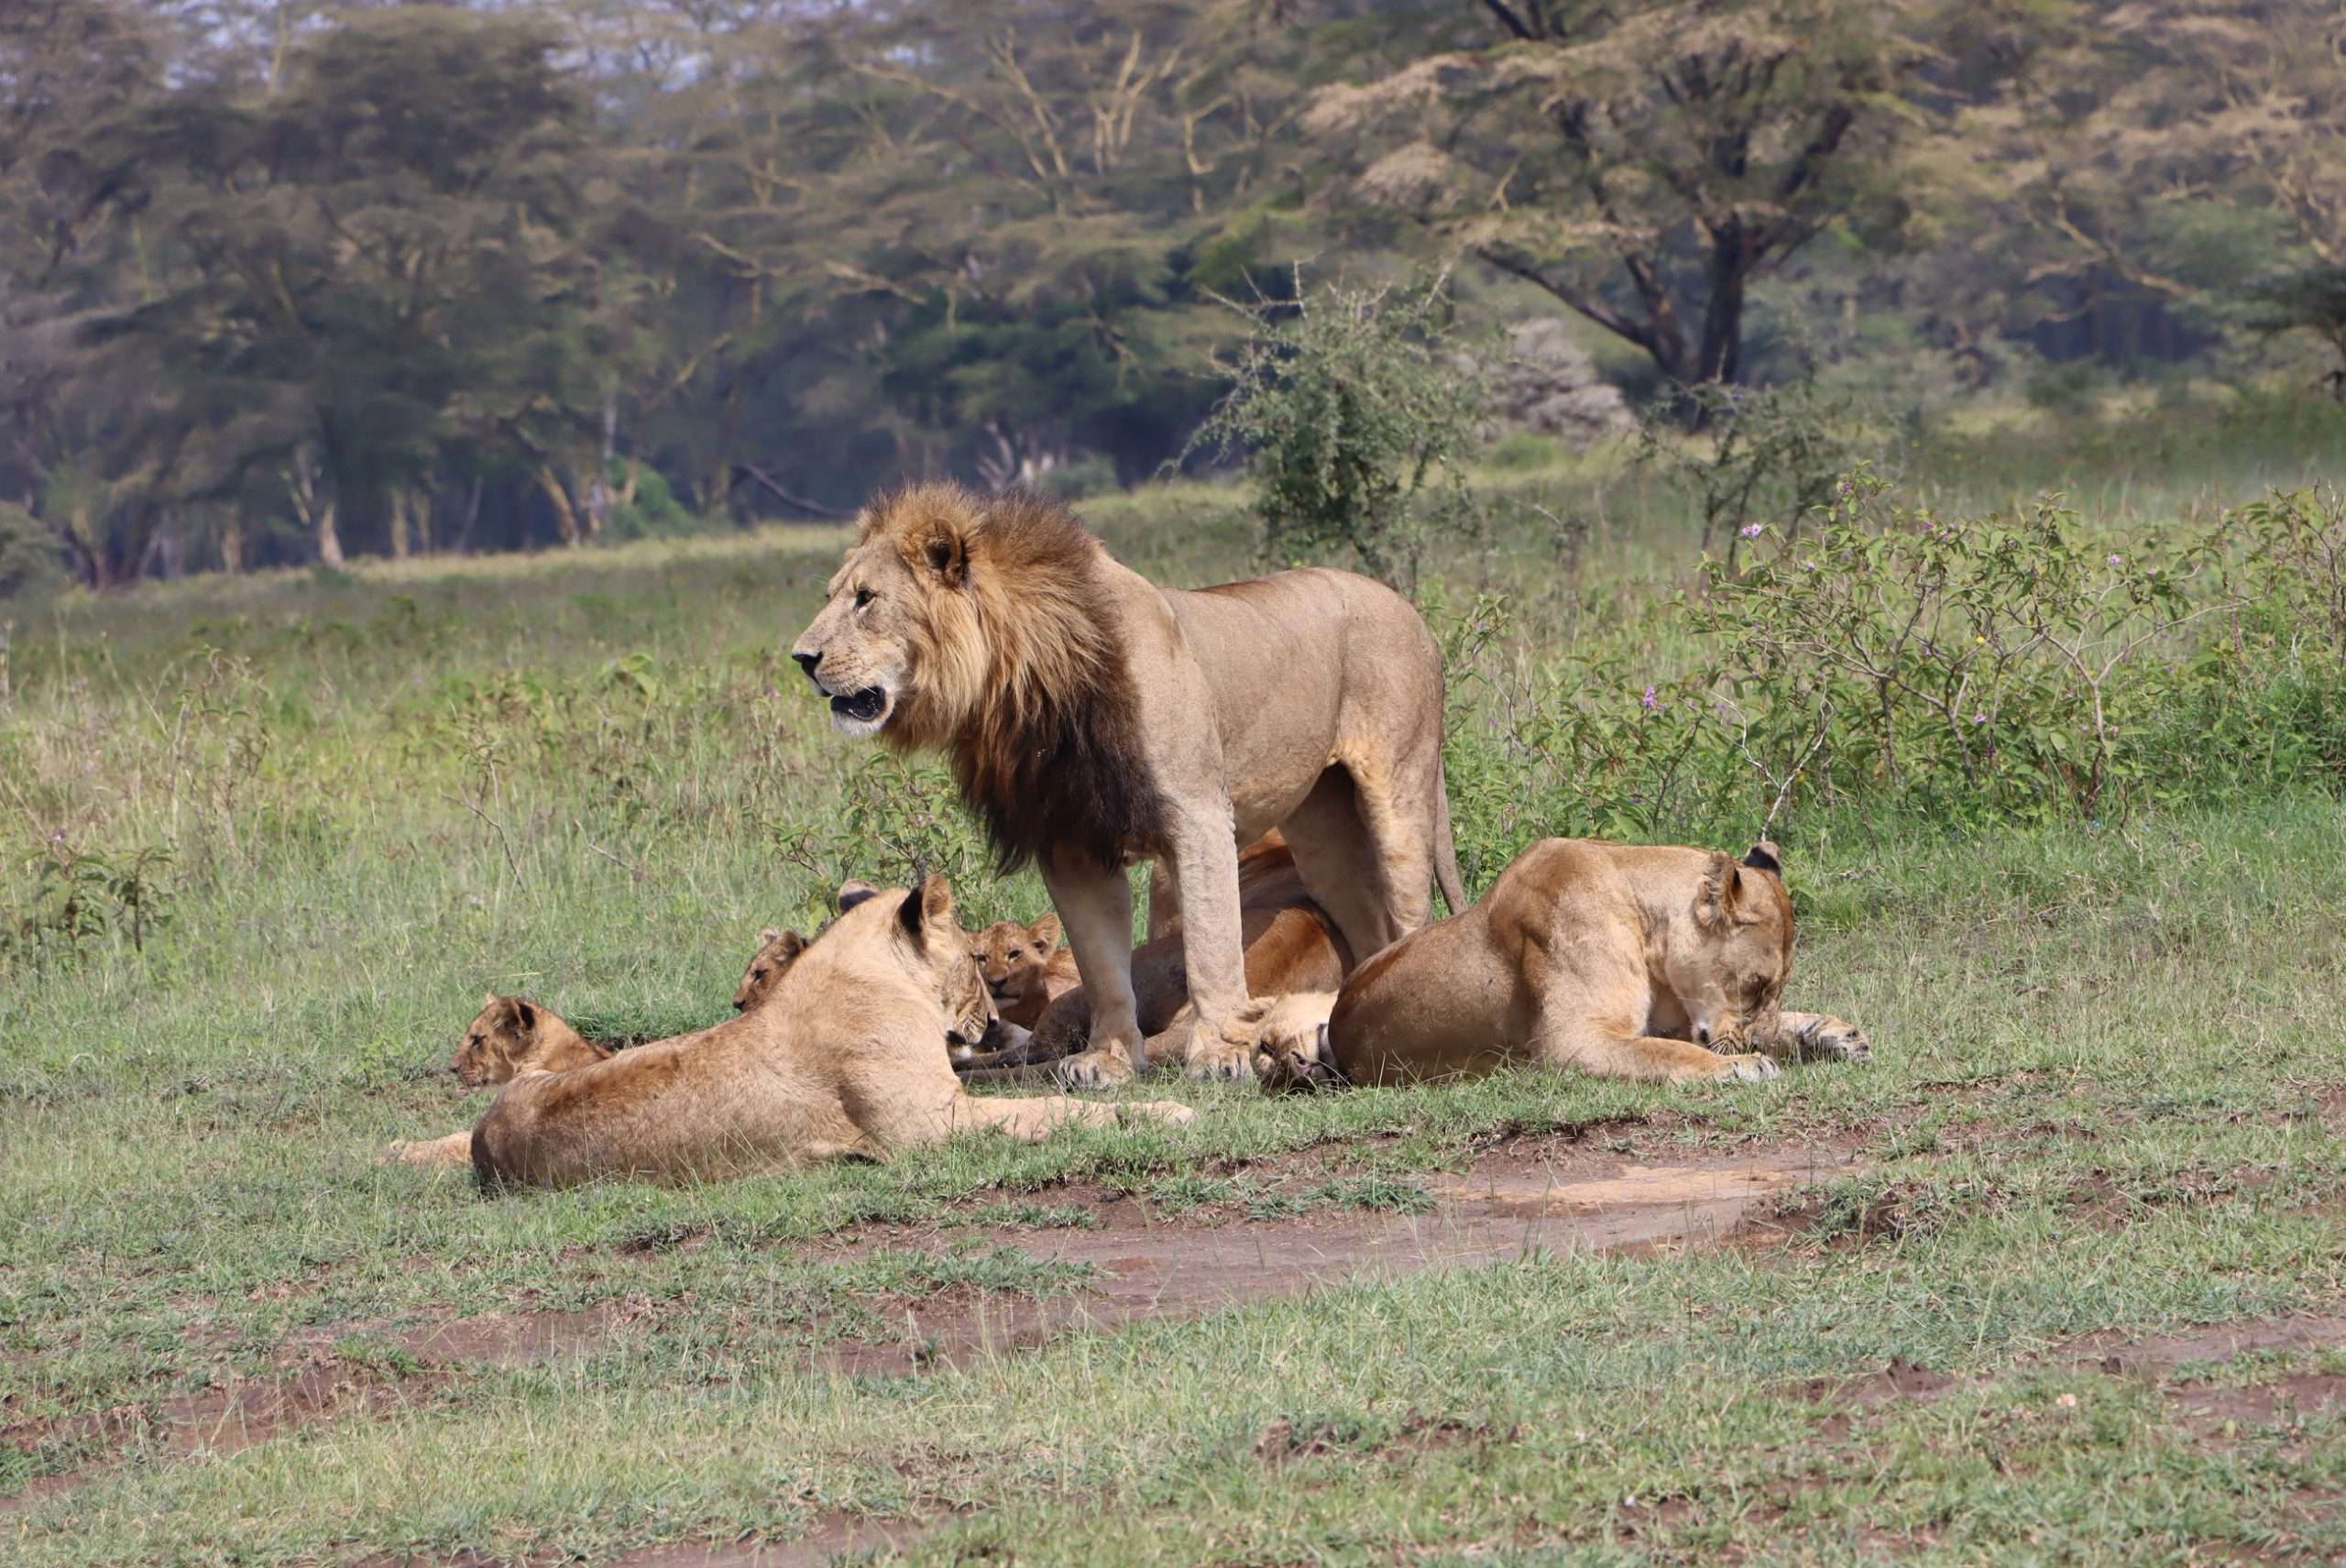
point(1273, 749)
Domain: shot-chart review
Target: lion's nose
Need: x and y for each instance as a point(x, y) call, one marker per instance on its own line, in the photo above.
point(806, 661)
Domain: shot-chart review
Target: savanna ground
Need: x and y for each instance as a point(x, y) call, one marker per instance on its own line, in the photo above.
point(2059, 1277)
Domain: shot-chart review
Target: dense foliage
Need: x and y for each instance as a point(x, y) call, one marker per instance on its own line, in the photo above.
point(287, 280)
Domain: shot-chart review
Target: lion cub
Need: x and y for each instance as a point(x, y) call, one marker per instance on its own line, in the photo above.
point(1024, 967)
point(1630, 961)
point(514, 1034)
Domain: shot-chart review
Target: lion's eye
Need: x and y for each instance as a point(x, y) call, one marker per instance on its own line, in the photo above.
point(864, 596)
point(1018, 952)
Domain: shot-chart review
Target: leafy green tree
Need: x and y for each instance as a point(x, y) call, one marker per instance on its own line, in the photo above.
point(1646, 165)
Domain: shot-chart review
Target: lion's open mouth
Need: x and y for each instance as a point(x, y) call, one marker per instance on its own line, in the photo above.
point(861, 706)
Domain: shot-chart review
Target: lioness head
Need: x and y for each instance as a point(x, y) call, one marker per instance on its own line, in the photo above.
point(777, 950)
point(513, 1034)
point(1290, 1037)
point(1728, 970)
point(933, 944)
point(1012, 958)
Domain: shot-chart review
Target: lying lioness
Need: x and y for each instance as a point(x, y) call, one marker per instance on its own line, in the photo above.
point(842, 1059)
point(513, 1034)
point(1629, 962)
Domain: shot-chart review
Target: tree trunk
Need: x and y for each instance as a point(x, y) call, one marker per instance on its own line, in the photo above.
point(397, 508)
point(565, 516)
point(329, 540)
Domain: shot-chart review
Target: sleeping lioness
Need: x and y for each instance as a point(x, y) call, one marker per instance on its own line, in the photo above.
point(842, 1059)
point(1629, 962)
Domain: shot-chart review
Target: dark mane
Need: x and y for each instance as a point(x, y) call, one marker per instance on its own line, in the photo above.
point(1052, 760)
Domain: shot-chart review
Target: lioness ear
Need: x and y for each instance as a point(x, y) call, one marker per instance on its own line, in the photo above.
point(1046, 931)
point(1717, 892)
point(928, 912)
point(852, 893)
point(1764, 856)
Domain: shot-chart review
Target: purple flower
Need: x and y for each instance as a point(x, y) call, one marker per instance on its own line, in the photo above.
point(1751, 529)
point(58, 836)
point(1649, 702)
point(1979, 718)
point(2118, 560)
point(1845, 487)
point(1808, 566)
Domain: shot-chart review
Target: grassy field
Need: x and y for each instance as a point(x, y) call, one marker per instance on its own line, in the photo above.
point(2060, 1276)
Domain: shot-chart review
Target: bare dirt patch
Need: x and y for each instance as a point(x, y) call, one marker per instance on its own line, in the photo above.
point(1511, 1203)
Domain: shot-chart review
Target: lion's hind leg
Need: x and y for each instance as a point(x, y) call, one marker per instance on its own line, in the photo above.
point(449, 1152)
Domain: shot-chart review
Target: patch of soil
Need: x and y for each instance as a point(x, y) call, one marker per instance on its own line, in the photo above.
point(831, 1538)
point(1511, 1203)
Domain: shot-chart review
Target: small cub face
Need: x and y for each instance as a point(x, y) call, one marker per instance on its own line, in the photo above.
point(511, 1033)
point(777, 950)
point(1013, 959)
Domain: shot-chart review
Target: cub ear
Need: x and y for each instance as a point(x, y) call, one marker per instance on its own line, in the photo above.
point(853, 893)
point(491, 999)
point(768, 937)
point(792, 945)
point(1764, 856)
point(1046, 931)
point(524, 1015)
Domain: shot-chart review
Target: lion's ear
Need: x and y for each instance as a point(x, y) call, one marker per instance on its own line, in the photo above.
point(489, 999)
point(928, 914)
point(947, 554)
point(853, 893)
point(1764, 856)
point(1047, 932)
point(524, 1015)
point(768, 937)
point(792, 945)
point(1716, 894)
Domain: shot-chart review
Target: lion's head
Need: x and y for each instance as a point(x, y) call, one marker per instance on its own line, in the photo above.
point(1011, 960)
point(1290, 1039)
point(980, 624)
point(513, 1034)
point(929, 942)
point(1728, 964)
point(777, 950)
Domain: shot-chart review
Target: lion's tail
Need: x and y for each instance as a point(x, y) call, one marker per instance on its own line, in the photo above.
point(1445, 849)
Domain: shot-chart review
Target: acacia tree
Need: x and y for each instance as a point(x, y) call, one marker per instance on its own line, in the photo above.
point(1645, 165)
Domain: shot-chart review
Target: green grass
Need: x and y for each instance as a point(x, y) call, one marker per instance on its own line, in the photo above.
point(2107, 1100)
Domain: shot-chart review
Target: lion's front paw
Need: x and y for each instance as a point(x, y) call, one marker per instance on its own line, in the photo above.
point(1101, 1067)
point(1749, 1067)
point(1172, 1113)
point(1833, 1039)
point(1212, 1057)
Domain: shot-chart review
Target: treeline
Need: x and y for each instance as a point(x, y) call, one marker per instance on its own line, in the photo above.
point(287, 280)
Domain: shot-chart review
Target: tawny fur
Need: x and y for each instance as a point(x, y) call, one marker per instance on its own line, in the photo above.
point(1625, 961)
point(1094, 721)
point(777, 950)
point(842, 1060)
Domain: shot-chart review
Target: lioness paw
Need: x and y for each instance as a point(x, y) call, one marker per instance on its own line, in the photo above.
point(1172, 1113)
point(1101, 1067)
point(1210, 1057)
point(1750, 1068)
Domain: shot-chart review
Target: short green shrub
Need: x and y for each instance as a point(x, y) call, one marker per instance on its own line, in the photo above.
point(1354, 415)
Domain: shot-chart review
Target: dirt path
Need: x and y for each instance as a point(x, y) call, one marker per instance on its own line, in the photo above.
point(1509, 1205)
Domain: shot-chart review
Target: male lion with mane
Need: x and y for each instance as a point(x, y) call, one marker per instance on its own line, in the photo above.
point(841, 1060)
point(1095, 721)
point(1627, 961)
